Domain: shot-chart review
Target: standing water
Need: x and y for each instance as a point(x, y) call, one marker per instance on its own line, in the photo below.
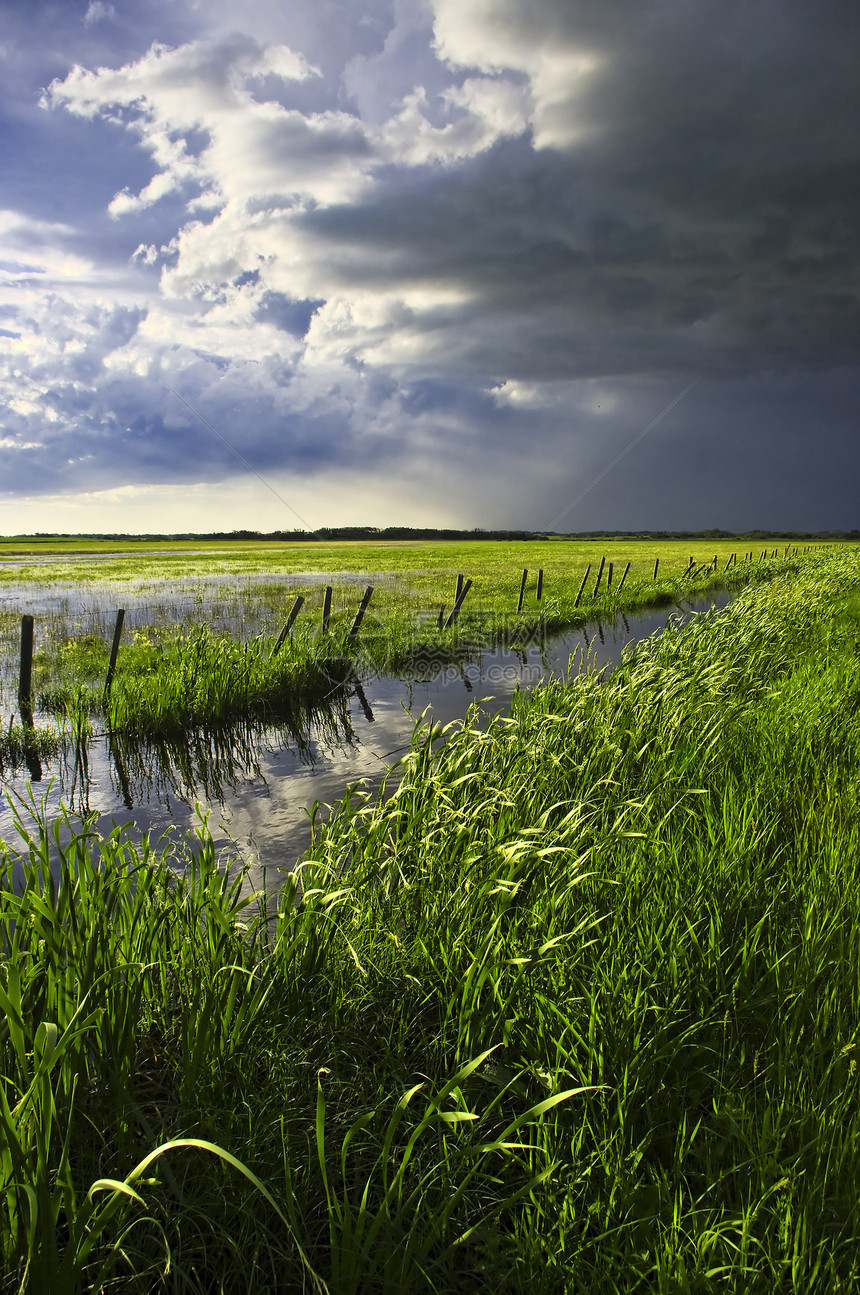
point(260, 786)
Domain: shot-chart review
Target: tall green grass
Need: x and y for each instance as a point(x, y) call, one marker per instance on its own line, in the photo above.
point(168, 684)
point(570, 1006)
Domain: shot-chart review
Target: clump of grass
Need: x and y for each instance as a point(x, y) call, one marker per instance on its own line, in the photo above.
point(174, 683)
point(23, 746)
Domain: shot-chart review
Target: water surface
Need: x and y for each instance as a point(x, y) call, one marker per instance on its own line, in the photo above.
point(259, 787)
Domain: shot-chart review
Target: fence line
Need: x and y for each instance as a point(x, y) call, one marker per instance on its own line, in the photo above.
point(462, 589)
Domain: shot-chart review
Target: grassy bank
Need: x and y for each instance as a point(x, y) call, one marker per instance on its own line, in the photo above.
point(572, 1007)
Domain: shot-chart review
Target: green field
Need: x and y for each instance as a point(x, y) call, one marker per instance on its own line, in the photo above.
point(571, 1006)
point(199, 673)
point(425, 565)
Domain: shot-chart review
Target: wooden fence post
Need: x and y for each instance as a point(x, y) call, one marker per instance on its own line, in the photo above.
point(122, 776)
point(523, 588)
point(599, 574)
point(540, 584)
point(609, 577)
point(359, 615)
point(460, 578)
point(582, 586)
point(455, 610)
point(297, 607)
point(623, 578)
point(326, 608)
point(25, 676)
point(117, 634)
point(441, 619)
point(656, 565)
point(363, 702)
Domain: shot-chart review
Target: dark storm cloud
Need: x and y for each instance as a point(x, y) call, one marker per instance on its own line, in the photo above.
point(758, 452)
point(705, 219)
point(140, 433)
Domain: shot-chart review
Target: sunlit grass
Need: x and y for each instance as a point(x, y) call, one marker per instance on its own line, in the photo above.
point(427, 566)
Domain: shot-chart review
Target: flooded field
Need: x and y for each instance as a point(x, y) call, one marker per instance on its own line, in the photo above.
point(259, 784)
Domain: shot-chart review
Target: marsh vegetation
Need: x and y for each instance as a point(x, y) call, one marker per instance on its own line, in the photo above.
point(570, 1004)
point(203, 641)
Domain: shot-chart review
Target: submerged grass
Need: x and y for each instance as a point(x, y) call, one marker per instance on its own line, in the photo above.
point(570, 1006)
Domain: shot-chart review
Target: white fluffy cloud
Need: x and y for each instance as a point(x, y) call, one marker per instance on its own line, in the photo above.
point(536, 40)
point(257, 150)
point(252, 174)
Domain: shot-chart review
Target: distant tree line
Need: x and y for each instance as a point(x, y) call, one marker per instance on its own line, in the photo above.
point(329, 533)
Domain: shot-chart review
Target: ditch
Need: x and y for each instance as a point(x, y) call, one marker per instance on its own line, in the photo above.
point(259, 784)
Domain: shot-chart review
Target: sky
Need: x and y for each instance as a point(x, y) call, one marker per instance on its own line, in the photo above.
point(545, 264)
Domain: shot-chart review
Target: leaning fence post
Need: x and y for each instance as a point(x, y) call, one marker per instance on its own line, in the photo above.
point(523, 588)
point(609, 576)
point(326, 608)
point(25, 676)
point(361, 610)
point(540, 584)
point(455, 610)
point(297, 607)
point(623, 578)
point(460, 579)
point(599, 574)
point(117, 634)
point(582, 586)
point(656, 565)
